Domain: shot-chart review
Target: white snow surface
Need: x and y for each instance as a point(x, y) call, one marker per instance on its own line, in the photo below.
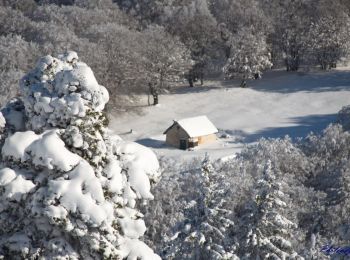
point(197, 126)
point(134, 249)
point(18, 188)
point(46, 150)
point(50, 151)
point(142, 165)
point(132, 228)
point(16, 144)
point(116, 181)
point(6, 176)
point(81, 192)
point(15, 185)
point(281, 103)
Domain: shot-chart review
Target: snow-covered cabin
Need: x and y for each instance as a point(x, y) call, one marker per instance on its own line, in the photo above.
point(191, 132)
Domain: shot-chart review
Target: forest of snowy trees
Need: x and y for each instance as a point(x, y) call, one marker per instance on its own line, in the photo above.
point(71, 190)
point(276, 200)
point(145, 46)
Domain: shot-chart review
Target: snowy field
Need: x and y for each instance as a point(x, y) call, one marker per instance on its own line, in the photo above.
point(279, 104)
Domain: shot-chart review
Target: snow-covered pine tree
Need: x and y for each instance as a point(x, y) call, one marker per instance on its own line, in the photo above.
point(268, 231)
point(329, 39)
point(67, 188)
point(291, 20)
point(249, 56)
point(207, 231)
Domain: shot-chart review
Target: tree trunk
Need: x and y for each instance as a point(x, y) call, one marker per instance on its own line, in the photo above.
point(288, 64)
point(293, 65)
point(201, 76)
point(243, 83)
point(292, 62)
point(228, 51)
point(296, 62)
point(191, 78)
point(155, 98)
point(190, 81)
point(154, 92)
point(201, 68)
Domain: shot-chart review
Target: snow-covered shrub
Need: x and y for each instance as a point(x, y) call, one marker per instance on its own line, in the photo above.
point(344, 117)
point(68, 190)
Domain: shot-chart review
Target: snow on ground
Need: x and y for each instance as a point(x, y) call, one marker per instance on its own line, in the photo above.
point(279, 104)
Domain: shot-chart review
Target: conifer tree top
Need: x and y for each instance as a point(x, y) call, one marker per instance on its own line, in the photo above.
point(60, 89)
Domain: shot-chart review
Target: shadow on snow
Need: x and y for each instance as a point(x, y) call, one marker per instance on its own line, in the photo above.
point(303, 126)
point(153, 143)
point(290, 82)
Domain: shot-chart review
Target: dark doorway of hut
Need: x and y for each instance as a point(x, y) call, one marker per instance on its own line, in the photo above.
point(183, 144)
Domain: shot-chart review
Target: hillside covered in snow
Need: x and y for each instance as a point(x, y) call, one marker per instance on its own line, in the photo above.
point(279, 104)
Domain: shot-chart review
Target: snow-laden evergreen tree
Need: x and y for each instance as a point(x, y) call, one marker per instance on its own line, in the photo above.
point(165, 59)
point(291, 23)
point(329, 39)
point(68, 189)
point(249, 56)
point(268, 231)
point(197, 29)
point(207, 231)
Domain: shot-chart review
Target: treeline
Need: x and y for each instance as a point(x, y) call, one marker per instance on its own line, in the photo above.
point(145, 46)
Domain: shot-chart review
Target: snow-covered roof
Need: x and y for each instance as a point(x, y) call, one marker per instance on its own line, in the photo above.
point(196, 126)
